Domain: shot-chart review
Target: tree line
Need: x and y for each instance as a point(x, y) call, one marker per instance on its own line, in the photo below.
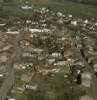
point(89, 2)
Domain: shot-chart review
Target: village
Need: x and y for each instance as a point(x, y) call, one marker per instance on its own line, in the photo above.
point(40, 50)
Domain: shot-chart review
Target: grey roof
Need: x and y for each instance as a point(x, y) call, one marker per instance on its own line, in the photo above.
point(86, 97)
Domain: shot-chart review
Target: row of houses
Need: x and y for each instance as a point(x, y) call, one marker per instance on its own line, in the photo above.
point(53, 55)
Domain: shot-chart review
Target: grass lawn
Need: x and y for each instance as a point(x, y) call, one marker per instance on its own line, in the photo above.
point(1, 81)
point(49, 88)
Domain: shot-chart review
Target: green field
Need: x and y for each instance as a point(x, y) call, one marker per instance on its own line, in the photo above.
point(14, 12)
point(77, 10)
point(49, 88)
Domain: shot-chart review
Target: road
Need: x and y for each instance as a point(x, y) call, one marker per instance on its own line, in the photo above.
point(8, 81)
point(9, 75)
point(88, 67)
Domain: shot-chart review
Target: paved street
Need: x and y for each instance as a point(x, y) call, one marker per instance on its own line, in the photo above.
point(9, 75)
point(8, 81)
point(94, 79)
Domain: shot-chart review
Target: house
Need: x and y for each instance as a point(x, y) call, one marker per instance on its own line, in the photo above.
point(27, 75)
point(56, 54)
point(18, 88)
point(3, 58)
point(11, 99)
point(68, 41)
point(1, 75)
point(86, 97)
point(59, 14)
point(86, 21)
point(12, 32)
point(74, 23)
point(95, 24)
point(24, 43)
point(50, 61)
point(86, 79)
point(26, 7)
point(60, 63)
point(28, 55)
point(39, 30)
point(31, 87)
point(93, 63)
point(43, 10)
point(79, 63)
point(70, 16)
point(17, 66)
point(37, 50)
point(5, 47)
point(68, 54)
point(2, 25)
point(35, 30)
point(90, 54)
point(49, 70)
point(28, 21)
